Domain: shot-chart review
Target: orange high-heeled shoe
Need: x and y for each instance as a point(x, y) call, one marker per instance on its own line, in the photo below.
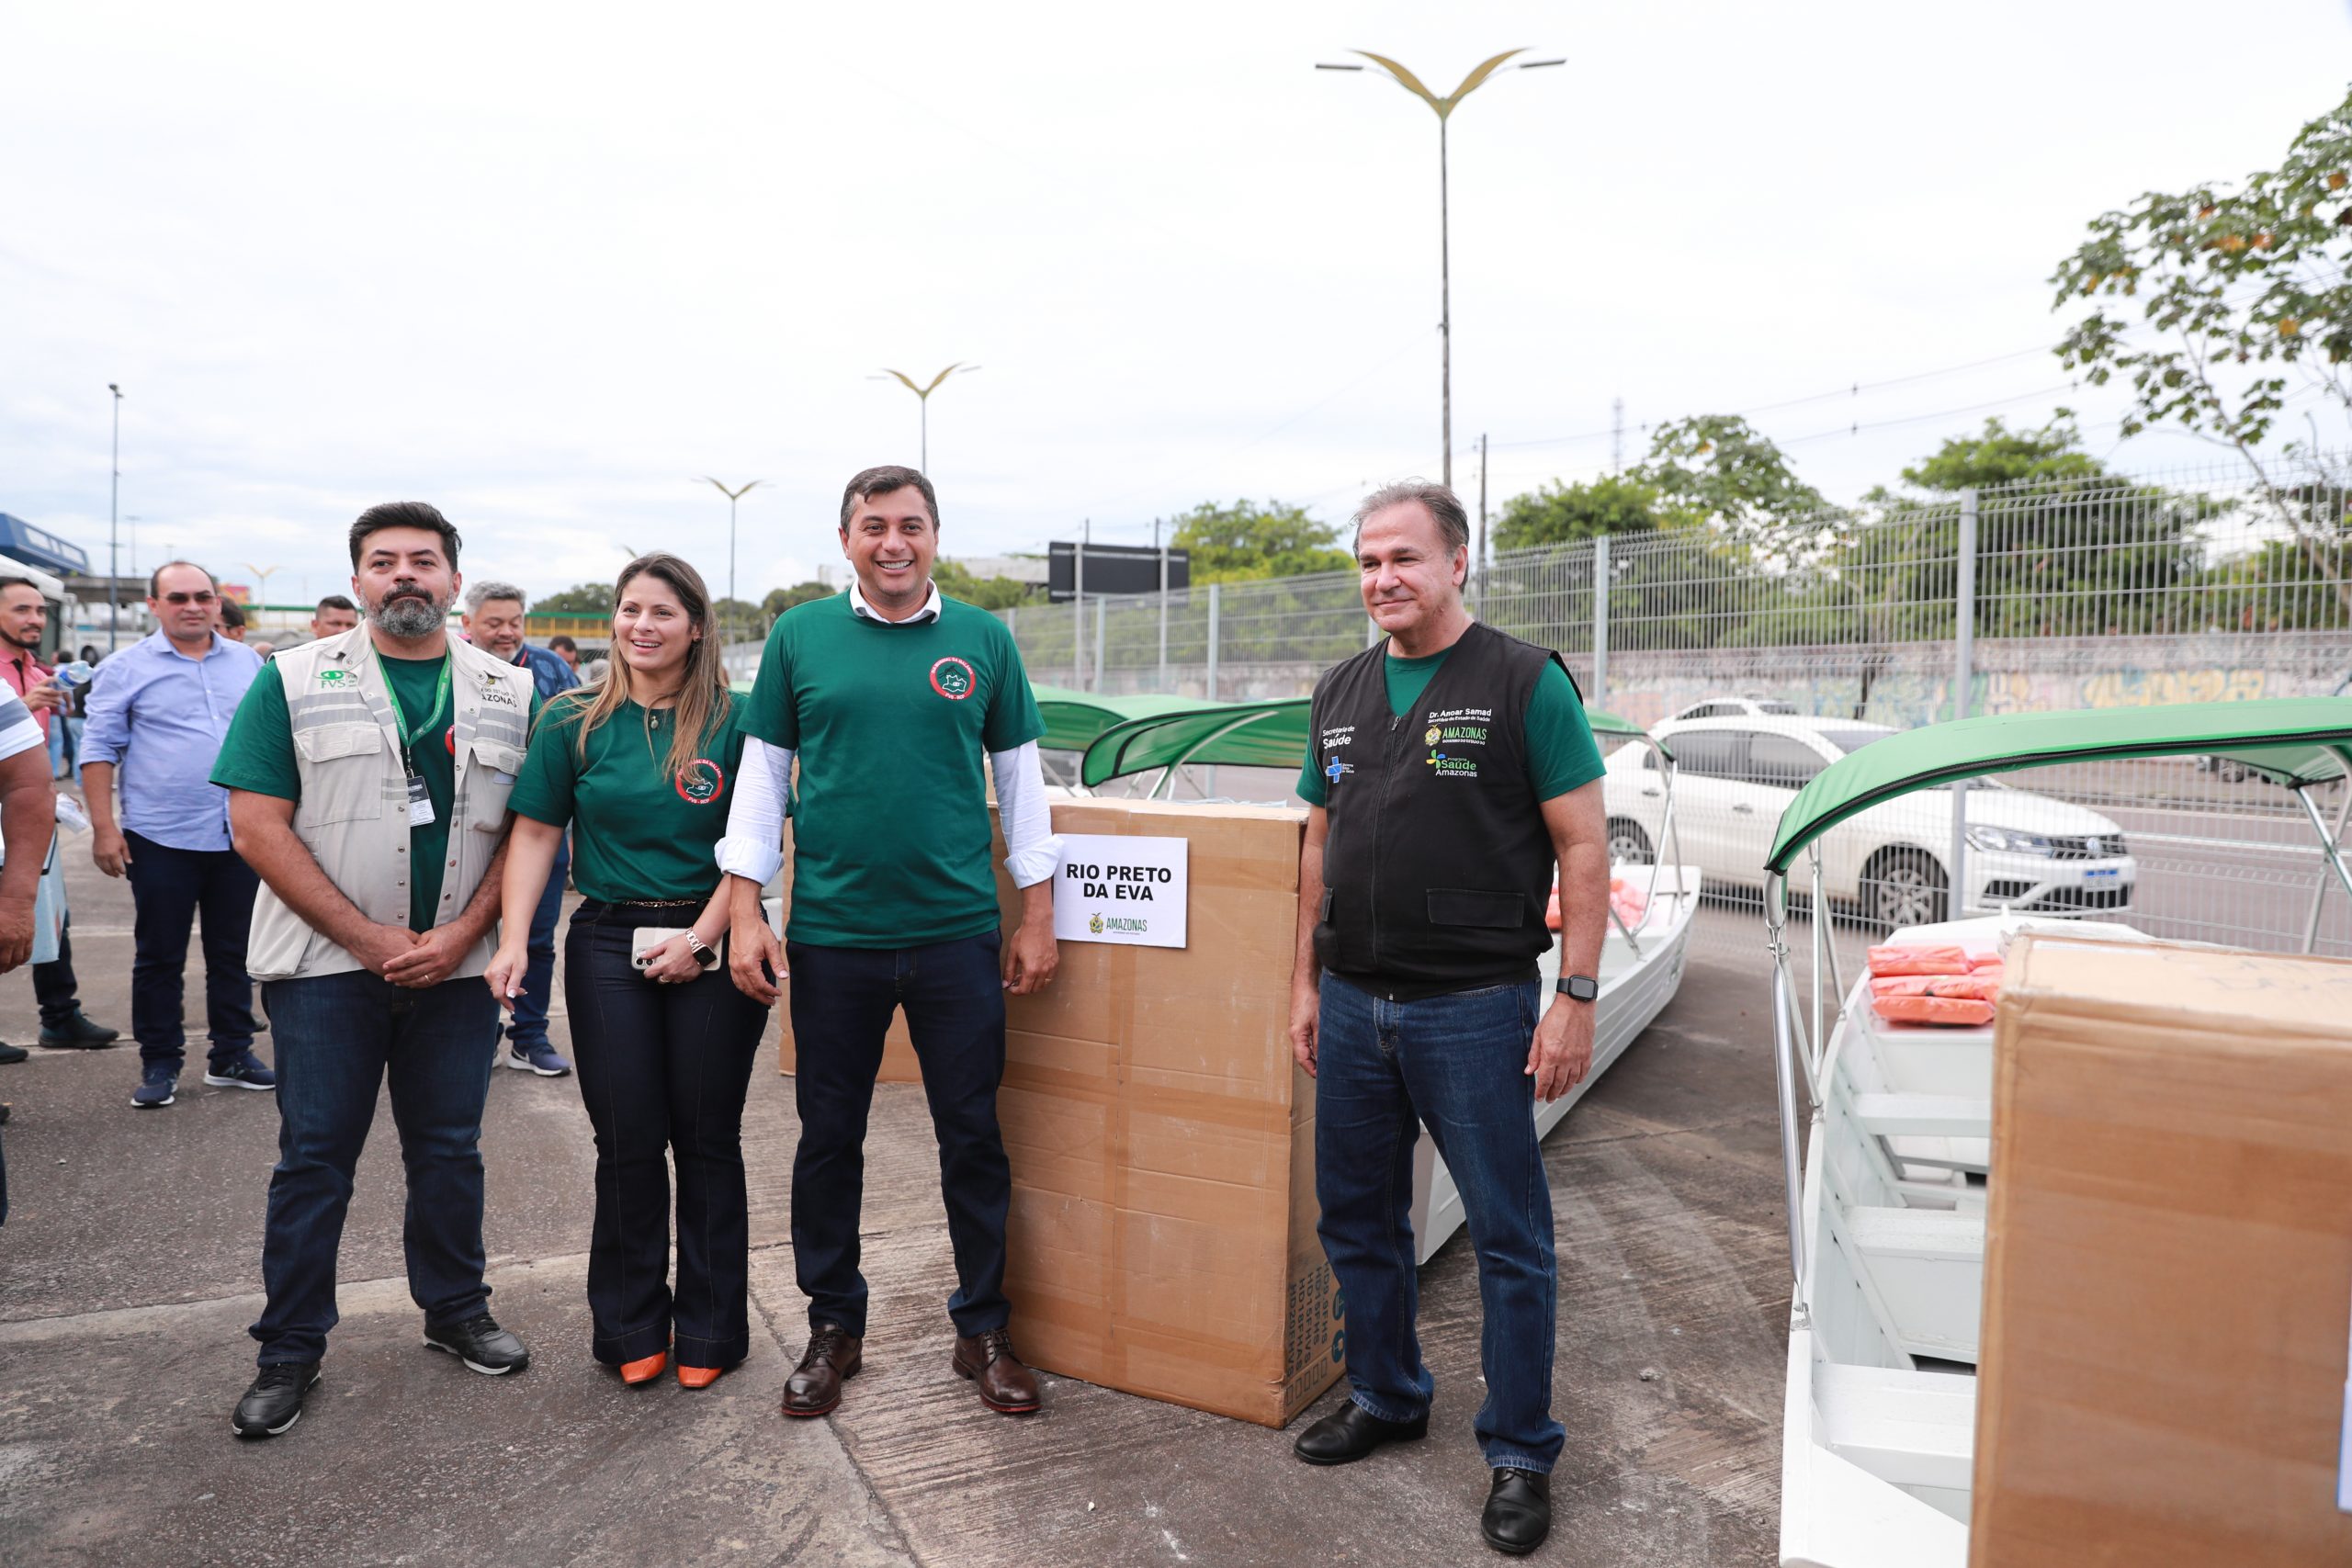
point(645, 1369)
point(697, 1377)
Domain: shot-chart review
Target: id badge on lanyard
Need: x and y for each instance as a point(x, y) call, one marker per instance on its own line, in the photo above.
point(420, 803)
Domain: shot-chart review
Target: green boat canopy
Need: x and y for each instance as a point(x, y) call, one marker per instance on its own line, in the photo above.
point(1249, 735)
point(1074, 718)
point(2294, 741)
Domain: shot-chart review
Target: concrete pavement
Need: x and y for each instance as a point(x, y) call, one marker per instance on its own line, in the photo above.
point(130, 1267)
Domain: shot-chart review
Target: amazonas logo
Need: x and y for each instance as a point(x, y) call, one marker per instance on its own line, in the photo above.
point(953, 679)
point(700, 782)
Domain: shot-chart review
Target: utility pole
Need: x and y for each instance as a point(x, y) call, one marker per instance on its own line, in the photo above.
point(114, 503)
point(1444, 107)
point(1617, 435)
point(1478, 558)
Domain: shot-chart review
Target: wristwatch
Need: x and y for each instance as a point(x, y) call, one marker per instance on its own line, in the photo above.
point(1578, 987)
point(705, 956)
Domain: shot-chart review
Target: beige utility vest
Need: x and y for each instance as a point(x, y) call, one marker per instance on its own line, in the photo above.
point(353, 814)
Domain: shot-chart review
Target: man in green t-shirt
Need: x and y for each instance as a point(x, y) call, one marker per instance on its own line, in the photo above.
point(367, 776)
point(888, 695)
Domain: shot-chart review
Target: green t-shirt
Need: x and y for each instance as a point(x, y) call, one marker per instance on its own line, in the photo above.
point(890, 826)
point(1561, 754)
point(258, 755)
point(641, 833)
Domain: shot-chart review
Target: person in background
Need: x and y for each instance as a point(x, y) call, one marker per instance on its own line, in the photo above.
point(28, 824)
point(892, 697)
point(493, 622)
point(642, 765)
point(262, 649)
point(232, 620)
point(158, 712)
point(563, 648)
point(367, 776)
point(1414, 992)
point(335, 613)
point(24, 613)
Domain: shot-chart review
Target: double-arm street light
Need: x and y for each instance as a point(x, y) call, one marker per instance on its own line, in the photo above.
point(923, 395)
point(732, 497)
point(1444, 107)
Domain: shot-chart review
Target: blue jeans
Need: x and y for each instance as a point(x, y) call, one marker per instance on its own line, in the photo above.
point(169, 888)
point(664, 1070)
point(1456, 1064)
point(842, 1001)
point(529, 1028)
point(339, 1037)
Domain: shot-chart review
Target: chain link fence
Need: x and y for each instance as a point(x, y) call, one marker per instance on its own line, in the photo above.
point(1770, 649)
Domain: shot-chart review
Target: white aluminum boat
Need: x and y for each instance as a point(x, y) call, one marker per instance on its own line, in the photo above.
point(1887, 1207)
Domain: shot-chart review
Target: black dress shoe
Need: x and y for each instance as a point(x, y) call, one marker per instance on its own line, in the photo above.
point(78, 1032)
point(1519, 1512)
point(12, 1053)
point(480, 1343)
point(1350, 1432)
point(275, 1401)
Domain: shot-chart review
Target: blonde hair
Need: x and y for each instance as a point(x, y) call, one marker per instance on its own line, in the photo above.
point(703, 697)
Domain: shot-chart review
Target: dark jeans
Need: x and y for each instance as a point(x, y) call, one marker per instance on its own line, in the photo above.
point(528, 1028)
point(339, 1038)
point(1456, 1064)
point(54, 986)
point(168, 887)
point(664, 1070)
point(842, 1001)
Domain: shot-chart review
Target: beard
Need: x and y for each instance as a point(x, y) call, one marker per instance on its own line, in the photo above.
point(408, 612)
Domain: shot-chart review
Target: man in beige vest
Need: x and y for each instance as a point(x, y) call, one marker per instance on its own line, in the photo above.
point(367, 774)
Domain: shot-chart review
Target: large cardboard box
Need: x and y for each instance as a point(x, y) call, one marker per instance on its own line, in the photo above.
point(1162, 1140)
point(2168, 1260)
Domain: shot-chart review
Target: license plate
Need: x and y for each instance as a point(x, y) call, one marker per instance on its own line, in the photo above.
point(2109, 873)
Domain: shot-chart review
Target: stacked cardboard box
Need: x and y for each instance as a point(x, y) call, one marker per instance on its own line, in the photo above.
point(2168, 1264)
point(1162, 1140)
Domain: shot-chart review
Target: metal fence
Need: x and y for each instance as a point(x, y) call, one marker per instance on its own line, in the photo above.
point(1795, 638)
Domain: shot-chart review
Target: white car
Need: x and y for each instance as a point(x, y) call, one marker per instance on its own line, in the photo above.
point(1736, 707)
point(1735, 777)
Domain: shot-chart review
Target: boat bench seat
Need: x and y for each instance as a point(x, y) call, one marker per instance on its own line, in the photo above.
point(1924, 1269)
point(1924, 1115)
point(1910, 1428)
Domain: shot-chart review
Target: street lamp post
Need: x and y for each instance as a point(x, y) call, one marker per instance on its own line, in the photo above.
point(732, 497)
point(114, 504)
point(923, 394)
point(1444, 107)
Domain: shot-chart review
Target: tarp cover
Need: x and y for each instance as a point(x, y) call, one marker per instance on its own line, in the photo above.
point(1074, 718)
point(2294, 742)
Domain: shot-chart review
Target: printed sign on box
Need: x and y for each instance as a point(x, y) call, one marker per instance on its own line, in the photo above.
point(1118, 889)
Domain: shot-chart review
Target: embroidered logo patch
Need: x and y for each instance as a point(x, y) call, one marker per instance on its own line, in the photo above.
point(333, 677)
point(701, 782)
point(953, 679)
point(1433, 735)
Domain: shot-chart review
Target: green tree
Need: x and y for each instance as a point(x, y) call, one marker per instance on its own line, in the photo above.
point(779, 600)
point(1246, 541)
point(579, 599)
point(956, 580)
point(1720, 468)
point(1559, 512)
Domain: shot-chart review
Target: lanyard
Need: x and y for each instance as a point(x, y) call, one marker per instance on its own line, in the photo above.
point(432, 720)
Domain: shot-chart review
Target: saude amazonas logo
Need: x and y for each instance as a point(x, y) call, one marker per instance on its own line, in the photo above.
point(1449, 732)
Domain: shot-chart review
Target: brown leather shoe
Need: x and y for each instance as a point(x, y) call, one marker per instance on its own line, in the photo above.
point(815, 1386)
point(1006, 1386)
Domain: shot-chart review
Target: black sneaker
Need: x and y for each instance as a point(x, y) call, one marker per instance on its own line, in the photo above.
point(244, 1071)
point(78, 1032)
point(157, 1088)
point(480, 1343)
point(12, 1053)
point(275, 1401)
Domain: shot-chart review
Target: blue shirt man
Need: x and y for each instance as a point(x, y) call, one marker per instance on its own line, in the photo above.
point(159, 710)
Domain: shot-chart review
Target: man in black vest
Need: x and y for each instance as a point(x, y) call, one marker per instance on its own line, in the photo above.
point(1450, 770)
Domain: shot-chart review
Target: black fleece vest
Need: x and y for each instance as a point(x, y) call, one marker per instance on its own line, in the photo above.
point(1437, 867)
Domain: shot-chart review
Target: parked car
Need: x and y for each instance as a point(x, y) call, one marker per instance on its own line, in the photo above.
point(1735, 777)
point(1736, 707)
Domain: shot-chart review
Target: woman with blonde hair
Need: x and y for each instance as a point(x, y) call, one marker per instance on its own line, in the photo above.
point(639, 766)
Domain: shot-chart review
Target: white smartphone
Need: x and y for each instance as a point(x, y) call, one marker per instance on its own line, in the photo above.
point(645, 939)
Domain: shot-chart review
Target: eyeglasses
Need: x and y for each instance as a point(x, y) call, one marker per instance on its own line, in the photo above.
point(191, 598)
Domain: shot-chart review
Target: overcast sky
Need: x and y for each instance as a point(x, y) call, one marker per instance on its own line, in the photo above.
point(545, 267)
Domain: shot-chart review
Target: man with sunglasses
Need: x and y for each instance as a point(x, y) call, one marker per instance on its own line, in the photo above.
point(159, 710)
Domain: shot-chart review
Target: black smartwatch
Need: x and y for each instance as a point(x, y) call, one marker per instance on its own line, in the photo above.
point(1578, 987)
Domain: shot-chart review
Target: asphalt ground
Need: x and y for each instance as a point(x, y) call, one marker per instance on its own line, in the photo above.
point(130, 1267)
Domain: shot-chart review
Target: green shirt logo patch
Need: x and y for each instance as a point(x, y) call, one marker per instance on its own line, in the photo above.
point(953, 679)
point(701, 780)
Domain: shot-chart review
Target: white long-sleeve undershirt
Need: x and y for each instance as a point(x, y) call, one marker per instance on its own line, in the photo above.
point(753, 845)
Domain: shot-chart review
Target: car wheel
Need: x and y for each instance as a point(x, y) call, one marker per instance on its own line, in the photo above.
point(1627, 842)
point(1905, 887)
